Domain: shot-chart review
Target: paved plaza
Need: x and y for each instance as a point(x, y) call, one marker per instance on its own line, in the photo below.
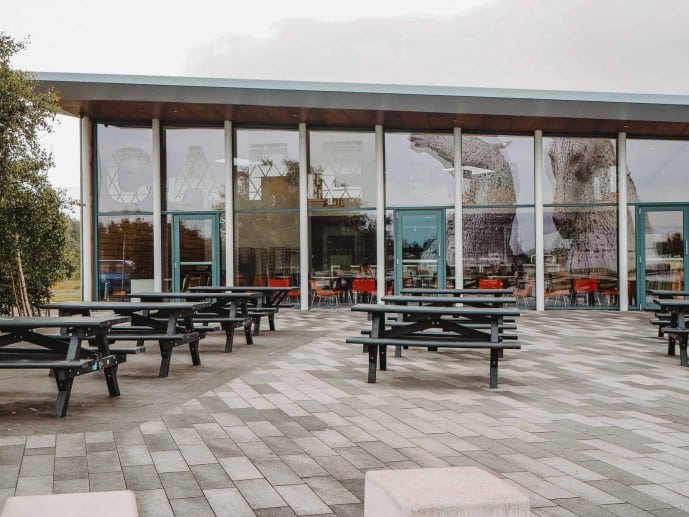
point(591, 418)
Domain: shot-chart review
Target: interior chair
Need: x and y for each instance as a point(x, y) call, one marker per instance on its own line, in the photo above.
point(523, 294)
point(366, 287)
point(284, 282)
point(490, 283)
point(319, 294)
point(588, 288)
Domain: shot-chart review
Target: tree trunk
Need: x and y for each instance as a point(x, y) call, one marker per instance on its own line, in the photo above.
point(23, 305)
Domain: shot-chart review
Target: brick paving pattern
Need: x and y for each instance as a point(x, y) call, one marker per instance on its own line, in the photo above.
point(590, 419)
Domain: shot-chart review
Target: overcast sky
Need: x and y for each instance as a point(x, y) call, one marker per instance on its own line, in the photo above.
point(601, 45)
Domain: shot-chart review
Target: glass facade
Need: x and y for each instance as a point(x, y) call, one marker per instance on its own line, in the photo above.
point(194, 169)
point(580, 221)
point(124, 168)
point(125, 256)
point(580, 211)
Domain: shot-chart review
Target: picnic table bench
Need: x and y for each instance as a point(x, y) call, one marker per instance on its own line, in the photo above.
point(662, 318)
point(169, 323)
point(426, 291)
point(229, 310)
point(63, 354)
point(676, 328)
point(267, 305)
point(432, 326)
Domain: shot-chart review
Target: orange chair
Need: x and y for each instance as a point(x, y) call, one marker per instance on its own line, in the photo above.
point(588, 287)
point(365, 286)
point(318, 292)
point(490, 283)
point(524, 293)
point(284, 282)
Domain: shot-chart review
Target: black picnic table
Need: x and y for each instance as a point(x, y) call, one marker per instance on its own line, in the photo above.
point(169, 323)
point(431, 326)
point(268, 305)
point(424, 291)
point(64, 354)
point(439, 301)
point(678, 310)
point(228, 309)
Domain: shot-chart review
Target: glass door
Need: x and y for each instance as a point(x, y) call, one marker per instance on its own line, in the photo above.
point(419, 248)
point(195, 250)
point(662, 256)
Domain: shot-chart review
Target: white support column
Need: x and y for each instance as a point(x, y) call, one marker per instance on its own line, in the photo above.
point(229, 205)
point(157, 213)
point(304, 251)
point(538, 216)
point(380, 212)
point(87, 215)
point(459, 219)
point(622, 236)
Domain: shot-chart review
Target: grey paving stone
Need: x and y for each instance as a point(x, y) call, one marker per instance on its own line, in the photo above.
point(180, 484)
point(284, 511)
point(160, 442)
point(133, 455)
point(259, 493)
point(303, 500)
point(348, 510)
point(211, 476)
point(34, 485)
point(153, 503)
point(41, 465)
point(141, 477)
point(228, 501)
point(223, 448)
point(191, 507)
point(629, 494)
point(169, 461)
point(70, 468)
point(100, 446)
point(104, 481)
point(304, 465)
point(277, 472)
point(331, 491)
point(282, 445)
point(105, 461)
point(339, 467)
point(11, 454)
point(71, 486)
point(239, 468)
point(8, 476)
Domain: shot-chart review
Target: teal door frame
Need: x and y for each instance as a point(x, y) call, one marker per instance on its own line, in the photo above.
point(640, 238)
point(399, 214)
point(177, 264)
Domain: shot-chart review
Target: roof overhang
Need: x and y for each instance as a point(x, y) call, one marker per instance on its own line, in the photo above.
point(208, 101)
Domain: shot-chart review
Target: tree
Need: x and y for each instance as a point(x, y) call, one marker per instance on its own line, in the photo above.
point(33, 223)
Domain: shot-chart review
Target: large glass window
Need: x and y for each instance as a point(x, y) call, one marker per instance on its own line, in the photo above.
point(266, 169)
point(124, 168)
point(580, 222)
point(195, 177)
point(419, 169)
point(658, 170)
point(342, 169)
point(266, 246)
point(125, 256)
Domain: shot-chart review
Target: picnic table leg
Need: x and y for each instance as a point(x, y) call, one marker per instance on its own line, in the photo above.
point(683, 350)
point(383, 353)
point(271, 321)
point(398, 351)
point(670, 344)
point(111, 380)
point(494, 367)
point(372, 360)
point(165, 357)
point(247, 333)
point(64, 390)
point(257, 325)
point(194, 351)
point(229, 336)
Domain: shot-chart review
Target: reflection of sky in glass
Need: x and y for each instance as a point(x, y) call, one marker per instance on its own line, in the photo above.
point(660, 169)
point(125, 168)
point(415, 178)
point(195, 168)
point(346, 163)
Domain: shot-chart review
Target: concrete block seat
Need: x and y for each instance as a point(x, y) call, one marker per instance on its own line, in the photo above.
point(441, 492)
point(120, 503)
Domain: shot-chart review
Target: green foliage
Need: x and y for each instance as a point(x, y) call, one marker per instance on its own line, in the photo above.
point(31, 211)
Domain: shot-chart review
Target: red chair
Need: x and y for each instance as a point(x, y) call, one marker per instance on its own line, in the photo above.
point(490, 283)
point(284, 282)
point(588, 287)
point(365, 286)
point(318, 292)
